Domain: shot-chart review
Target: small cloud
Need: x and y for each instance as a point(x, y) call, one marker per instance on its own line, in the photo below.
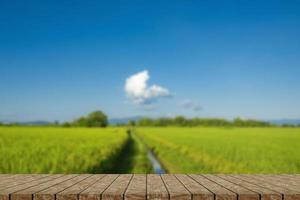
point(149, 107)
point(192, 105)
point(137, 89)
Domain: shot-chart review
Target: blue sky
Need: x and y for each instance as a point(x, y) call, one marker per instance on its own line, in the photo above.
point(62, 59)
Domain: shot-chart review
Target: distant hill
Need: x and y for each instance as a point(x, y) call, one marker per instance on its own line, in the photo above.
point(39, 122)
point(125, 120)
point(285, 121)
point(29, 123)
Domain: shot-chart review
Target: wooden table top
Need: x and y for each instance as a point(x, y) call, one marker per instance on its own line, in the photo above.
point(141, 187)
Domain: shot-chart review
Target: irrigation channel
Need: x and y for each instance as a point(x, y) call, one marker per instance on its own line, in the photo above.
point(134, 157)
point(158, 169)
point(156, 165)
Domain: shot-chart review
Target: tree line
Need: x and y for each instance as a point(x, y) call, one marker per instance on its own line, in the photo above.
point(100, 119)
point(94, 119)
point(191, 122)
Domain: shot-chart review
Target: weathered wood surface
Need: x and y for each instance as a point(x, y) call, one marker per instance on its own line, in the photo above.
point(142, 187)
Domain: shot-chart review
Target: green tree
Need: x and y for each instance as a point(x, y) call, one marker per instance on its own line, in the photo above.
point(66, 124)
point(131, 123)
point(96, 119)
point(179, 121)
point(145, 122)
point(80, 122)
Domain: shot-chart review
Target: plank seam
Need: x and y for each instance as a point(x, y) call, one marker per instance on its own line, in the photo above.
point(237, 195)
point(282, 195)
point(101, 194)
point(42, 189)
point(203, 186)
point(255, 184)
point(146, 196)
point(25, 182)
point(55, 195)
point(238, 185)
point(123, 195)
point(94, 183)
point(259, 179)
point(285, 187)
point(32, 185)
point(5, 184)
point(78, 194)
point(169, 196)
point(192, 196)
point(56, 184)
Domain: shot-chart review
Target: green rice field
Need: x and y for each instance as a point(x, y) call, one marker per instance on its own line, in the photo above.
point(225, 150)
point(179, 150)
point(59, 150)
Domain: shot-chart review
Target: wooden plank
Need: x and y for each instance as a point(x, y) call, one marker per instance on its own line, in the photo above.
point(5, 180)
point(72, 192)
point(26, 194)
point(220, 192)
point(144, 187)
point(266, 194)
point(94, 191)
point(296, 178)
point(243, 193)
point(156, 188)
point(17, 180)
point(4, 194)
point(137, 188)
point(50, 193)
point(287, 193)
point(6, 176)
point(117, 189)
point(176, 189)
point(198, 191)
point(288, 181)
point(279, 183)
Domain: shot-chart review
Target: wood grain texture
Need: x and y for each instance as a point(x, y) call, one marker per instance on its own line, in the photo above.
point(5, 193)
point(137, 188)
point(94, 192)
point(118, 188)
point(149, 187)
point(198, 191)
point(50, 193)
point(72, 192)
point(220, 192)
point(17, 180)
point(243, 193)
point(6, 176)
point(287, 181)
point(176, 189)
point(276, 182)
point(156, 188)
point(266, 194)
point(26, 194)
point(287, 194)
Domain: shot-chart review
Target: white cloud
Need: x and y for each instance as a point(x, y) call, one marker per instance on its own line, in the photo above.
point(189, 104)
point(139, 92)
